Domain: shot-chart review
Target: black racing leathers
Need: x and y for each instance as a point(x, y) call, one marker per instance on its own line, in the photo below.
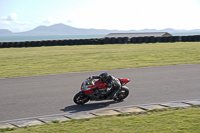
point(111, 82)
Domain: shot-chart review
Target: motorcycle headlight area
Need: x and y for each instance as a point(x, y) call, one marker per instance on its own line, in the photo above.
point(86, 88)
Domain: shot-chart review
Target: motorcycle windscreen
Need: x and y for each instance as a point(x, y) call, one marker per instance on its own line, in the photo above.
point(124, 81)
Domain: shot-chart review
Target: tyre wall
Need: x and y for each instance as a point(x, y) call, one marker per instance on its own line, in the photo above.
point(99, 41)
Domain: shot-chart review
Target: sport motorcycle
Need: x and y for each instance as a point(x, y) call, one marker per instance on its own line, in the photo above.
point(95, 90)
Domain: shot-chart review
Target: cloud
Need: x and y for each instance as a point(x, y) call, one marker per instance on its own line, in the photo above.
point(11, 17)
point(12, 20)
point(69, 21)
point(138, 14)
point(51, 20)
point(11, 23)
point(48, 20)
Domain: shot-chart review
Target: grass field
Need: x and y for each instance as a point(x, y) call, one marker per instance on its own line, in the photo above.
point(172, 120)
point(17, 62)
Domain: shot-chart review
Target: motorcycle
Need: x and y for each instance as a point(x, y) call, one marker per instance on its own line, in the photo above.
point(95, 90)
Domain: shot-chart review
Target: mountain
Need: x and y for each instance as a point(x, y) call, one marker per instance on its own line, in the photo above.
point(4, 32)
point(62, 29)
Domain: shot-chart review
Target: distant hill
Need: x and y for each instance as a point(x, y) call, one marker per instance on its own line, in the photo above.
point(4, 32)
point(62, 29)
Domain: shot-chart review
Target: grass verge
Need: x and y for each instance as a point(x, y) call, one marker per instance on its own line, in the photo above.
point(169, 120)
point(18, 62)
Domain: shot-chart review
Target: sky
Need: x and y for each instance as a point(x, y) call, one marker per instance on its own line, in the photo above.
point(24, 15)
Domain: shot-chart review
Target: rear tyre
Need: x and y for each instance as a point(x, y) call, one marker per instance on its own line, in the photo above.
point(80, 98)
point(121, 94)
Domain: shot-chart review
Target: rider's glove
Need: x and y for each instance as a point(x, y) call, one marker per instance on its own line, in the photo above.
point(109, 85)
point(108, 89)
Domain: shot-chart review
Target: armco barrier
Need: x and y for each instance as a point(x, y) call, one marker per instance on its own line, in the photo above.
point(119, 40)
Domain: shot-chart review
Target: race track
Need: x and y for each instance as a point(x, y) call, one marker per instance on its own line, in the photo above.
point(52, 94)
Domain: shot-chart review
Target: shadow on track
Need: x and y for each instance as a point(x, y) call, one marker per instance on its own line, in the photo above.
point(87, 107)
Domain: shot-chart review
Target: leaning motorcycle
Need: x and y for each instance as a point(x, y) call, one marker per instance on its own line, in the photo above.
point(95, 90)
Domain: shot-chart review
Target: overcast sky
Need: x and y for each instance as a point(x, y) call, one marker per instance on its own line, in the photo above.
point(23, 15)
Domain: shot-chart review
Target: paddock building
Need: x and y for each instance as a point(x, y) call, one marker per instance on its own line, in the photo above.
point(145, 34)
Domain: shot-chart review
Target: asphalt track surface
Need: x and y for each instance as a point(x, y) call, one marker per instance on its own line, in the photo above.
point(33, 96)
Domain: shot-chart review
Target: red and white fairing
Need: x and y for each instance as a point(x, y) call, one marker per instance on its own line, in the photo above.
point(88, 89)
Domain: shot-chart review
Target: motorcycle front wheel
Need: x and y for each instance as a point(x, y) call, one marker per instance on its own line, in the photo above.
point(80, 98)
point(121, 94)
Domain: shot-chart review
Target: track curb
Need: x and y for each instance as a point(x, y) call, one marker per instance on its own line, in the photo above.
point(89, 114)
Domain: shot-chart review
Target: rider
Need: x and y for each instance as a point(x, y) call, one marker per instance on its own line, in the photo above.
point(112, 83)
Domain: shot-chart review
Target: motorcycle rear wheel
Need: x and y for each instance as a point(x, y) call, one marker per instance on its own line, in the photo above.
point(121, 94)
point(80, 98)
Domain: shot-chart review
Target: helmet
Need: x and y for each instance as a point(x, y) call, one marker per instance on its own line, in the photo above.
point(104, 77)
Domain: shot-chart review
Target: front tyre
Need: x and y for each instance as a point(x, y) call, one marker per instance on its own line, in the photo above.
point(80, 98)
point(121, 94)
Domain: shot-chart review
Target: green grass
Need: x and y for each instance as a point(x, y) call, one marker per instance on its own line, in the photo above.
point(171, 120)
point(17, 62)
